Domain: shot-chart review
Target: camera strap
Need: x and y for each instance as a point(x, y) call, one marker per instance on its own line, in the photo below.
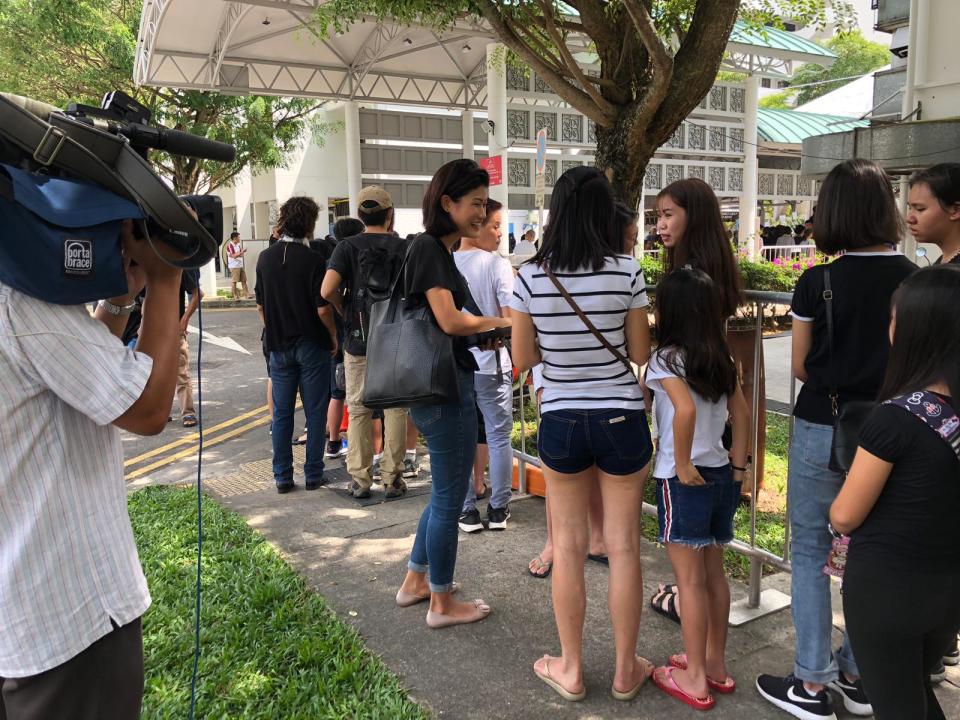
point(66, 144)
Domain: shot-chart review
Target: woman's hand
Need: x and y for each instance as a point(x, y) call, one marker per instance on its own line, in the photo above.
point(688, 474)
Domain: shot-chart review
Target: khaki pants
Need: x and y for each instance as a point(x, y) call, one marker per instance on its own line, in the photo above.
point(184, 387)
point(359, 440)
point(238, 276)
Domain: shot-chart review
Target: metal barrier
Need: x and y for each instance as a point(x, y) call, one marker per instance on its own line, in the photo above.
point(789, 253)
point(758, 602)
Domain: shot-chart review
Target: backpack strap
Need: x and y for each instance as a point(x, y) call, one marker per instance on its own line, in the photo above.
point(938, 415)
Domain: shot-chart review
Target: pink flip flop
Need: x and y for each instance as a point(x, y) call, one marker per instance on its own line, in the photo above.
point(724, 688)
point(663, 679)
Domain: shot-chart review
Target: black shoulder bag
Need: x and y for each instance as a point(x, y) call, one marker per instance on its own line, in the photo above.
point(848, 419)
point(410, 360)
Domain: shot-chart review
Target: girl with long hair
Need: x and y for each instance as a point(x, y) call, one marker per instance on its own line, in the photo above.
point(454, 206)
point(698, 483)
point(691, 229)
point(593, 426)
point(900, 502)
point(856, 213)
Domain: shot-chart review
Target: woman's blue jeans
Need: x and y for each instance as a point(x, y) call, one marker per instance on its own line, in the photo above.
point(451, 434)
point(811, 489)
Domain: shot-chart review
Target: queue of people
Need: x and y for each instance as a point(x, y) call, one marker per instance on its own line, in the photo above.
point(579, 316)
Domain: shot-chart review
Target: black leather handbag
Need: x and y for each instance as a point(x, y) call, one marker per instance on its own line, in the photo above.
point(848, 419)
point(410, 361)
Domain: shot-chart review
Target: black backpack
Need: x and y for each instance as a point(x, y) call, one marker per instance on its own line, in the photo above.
point(377, 268)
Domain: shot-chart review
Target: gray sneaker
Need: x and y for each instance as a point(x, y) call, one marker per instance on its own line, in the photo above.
point(376, 472)
point(358, 491)
point(411, 467)
point(395, 489)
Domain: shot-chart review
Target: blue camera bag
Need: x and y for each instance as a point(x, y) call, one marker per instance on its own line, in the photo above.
point(60, 238)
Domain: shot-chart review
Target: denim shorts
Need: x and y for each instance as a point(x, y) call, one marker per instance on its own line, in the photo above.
point(698, 515)
point(616, 441)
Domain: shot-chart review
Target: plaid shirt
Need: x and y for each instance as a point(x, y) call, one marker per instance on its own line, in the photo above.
point(68, 562)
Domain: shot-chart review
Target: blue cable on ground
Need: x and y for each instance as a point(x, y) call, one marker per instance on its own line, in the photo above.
point(196, 653)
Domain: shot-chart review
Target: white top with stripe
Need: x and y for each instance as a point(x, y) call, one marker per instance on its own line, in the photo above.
point(68, 562)
point(578, 371)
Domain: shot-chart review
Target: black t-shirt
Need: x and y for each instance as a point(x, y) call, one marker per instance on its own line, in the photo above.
point(289, 275)
point(189, 281)
point(345, 260)
point(430, 265)
point(914, 520)
point(862, 288)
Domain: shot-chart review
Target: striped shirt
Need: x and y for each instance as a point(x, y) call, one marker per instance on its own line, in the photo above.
point(578, 371)
point(68, 562)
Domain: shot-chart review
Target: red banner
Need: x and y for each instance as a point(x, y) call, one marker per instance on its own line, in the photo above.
point(494, 167)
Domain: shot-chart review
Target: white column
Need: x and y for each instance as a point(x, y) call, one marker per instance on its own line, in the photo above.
point(208, 279)
point(748, 199)
point(466, 119)
point(354, 182)
point(497, 140)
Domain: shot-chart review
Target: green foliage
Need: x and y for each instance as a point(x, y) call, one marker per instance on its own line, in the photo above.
point(271, 647)
point(61, 51)
point(856, 56)
point(773, 277)
point(778, 101)
point(652, 268)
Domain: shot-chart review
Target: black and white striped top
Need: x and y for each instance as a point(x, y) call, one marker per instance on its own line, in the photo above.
point(579, 372)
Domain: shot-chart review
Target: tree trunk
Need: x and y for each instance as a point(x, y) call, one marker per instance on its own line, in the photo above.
point(623, 155)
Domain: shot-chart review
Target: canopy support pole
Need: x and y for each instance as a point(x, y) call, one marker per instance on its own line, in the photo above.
point(497, 140)
point(748, 198)
point(354, 182)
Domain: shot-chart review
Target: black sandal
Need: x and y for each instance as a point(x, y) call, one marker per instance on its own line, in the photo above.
point(665, 603)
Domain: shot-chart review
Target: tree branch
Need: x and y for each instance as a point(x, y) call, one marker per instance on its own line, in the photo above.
point(659, 57)
point(567, 92)
point(578, 75)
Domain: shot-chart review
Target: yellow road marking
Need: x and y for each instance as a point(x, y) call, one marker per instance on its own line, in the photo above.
point(210, 442)
point(192, 437)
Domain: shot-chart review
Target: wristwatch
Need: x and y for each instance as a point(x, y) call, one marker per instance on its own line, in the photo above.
point(118, 310)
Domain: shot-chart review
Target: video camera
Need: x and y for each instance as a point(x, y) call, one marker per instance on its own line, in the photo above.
point(64, 173)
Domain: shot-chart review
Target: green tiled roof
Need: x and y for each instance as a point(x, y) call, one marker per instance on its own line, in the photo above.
point(792, 126)
point(774, 39)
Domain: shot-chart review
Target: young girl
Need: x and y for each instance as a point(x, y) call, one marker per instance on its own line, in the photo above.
point(900, 502)
point(695, 382)
point(933, 214)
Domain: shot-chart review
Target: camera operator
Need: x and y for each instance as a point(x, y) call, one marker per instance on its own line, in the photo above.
point(72, 591)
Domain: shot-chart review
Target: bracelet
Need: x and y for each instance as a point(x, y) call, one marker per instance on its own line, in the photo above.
point(737, 469)
point(118, 310)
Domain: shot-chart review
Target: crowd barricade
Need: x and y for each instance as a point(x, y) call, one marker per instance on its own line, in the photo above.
point(759, 602)
point(789, 253)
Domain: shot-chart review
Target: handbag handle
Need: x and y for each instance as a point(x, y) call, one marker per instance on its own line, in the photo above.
point(590, 326)
point(828, 299)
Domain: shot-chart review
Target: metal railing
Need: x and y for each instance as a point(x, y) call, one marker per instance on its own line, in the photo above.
point(757, 556)
point(789, 253)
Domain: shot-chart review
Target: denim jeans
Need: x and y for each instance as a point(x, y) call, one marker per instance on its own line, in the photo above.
point(811, 489)
point(495, 400)
point(451, 434)
point(305, 366)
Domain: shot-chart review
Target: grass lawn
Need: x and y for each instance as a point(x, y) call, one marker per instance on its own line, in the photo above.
point(271, 647)
point(771, 506)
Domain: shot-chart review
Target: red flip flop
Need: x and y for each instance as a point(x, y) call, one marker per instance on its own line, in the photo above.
point(663, 679)
point(724, 688)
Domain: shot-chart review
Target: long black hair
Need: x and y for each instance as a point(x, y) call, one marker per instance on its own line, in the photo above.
point(705, 243)
point(690, 332)
point(926, 337)
point(582, 230)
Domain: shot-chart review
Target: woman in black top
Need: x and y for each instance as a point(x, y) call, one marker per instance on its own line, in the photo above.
point(856, 213)
point(900, 502)
point(454, 206)
point(933, 214)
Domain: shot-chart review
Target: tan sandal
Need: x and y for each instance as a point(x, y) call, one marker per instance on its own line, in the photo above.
point(632, 693)
point(557, 687)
